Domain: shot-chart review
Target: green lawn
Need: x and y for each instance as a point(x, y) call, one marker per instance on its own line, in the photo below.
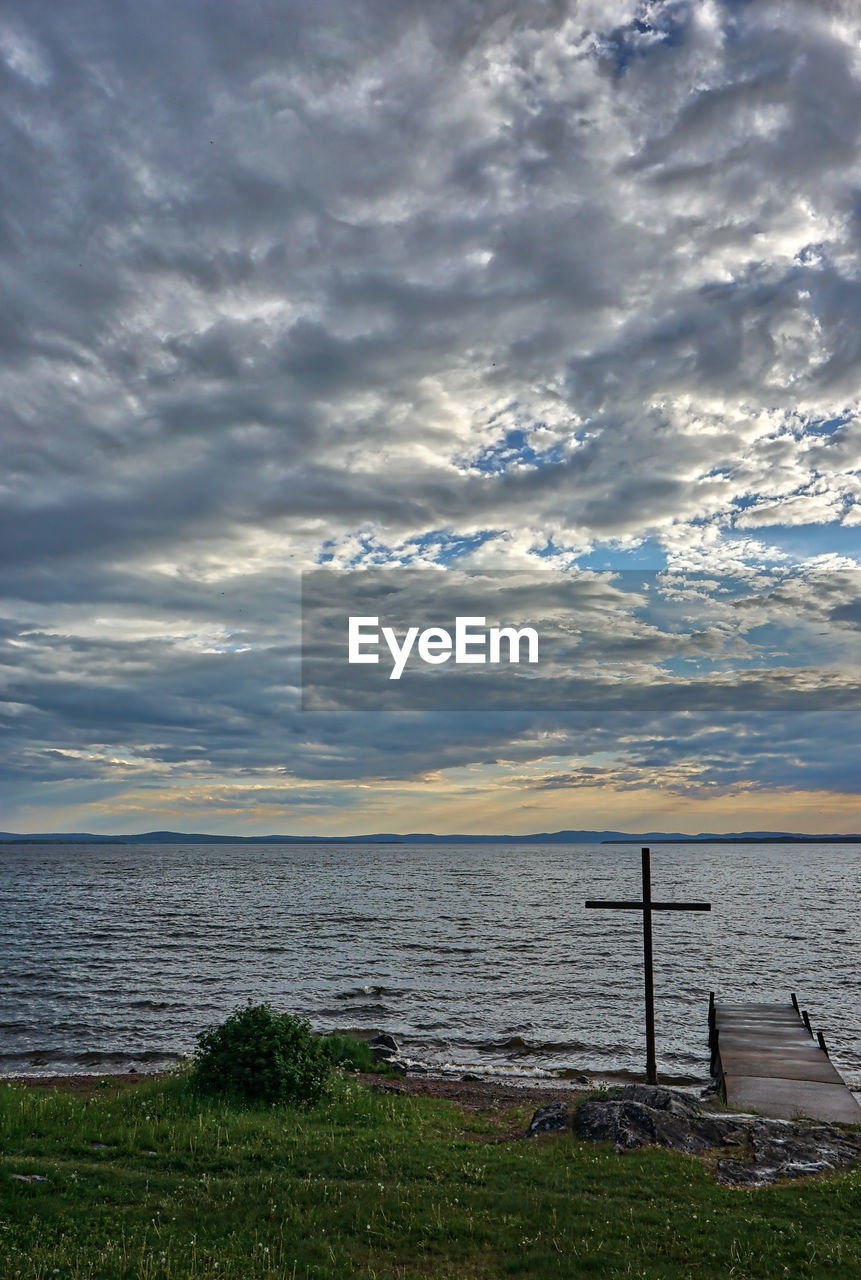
point(380, 1185)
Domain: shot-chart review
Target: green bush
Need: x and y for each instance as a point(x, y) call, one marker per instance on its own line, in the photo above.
point(349, 1052)
point(258, 1055)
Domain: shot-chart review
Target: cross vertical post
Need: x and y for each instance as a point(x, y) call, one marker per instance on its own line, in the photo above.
point(648, 969)
point(647, 906)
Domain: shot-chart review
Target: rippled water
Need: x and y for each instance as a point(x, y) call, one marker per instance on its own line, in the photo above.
point(480, 956)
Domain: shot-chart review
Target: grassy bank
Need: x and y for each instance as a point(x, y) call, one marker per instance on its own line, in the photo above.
point(380, 1185)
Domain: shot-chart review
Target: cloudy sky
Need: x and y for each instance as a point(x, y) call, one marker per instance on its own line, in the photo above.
point(461, 285)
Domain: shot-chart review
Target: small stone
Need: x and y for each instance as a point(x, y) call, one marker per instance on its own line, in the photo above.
point(28, 1177)
point(470, 1075)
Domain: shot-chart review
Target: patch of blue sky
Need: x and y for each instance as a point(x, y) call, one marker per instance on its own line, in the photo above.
point(371, 554)
point(660, 25)
point(766, 646)
point(826, 426)
point(441, 546)
point(812, 254)
point(675, 601)
point(368, 554)
point(800, 542)
point(515, 449)
point(783, 644)
point(747, 500)
point(646, 555)
point(445, 547)
point(550, 549)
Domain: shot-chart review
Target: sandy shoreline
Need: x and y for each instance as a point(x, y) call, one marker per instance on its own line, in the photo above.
point(474, 1094)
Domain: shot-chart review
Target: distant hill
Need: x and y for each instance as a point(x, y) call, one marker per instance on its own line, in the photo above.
point(422, 837)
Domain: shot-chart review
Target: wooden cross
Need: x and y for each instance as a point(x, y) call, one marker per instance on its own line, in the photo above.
point(647, 906)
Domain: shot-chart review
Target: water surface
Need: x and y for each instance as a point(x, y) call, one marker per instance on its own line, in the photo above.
point(474, 957)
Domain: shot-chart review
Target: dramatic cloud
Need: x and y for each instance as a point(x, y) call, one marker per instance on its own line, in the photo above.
point(535, 286)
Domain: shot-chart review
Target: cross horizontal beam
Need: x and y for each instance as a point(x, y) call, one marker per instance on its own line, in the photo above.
point(650, 906)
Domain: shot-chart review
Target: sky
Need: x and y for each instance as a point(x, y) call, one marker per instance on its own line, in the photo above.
point(570, 290)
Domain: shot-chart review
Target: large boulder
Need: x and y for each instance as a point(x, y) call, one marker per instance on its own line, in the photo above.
point(639, 1115)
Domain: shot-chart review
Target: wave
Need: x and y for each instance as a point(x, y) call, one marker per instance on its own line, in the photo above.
point(517, 1046)
point(367, 1010)
point(369, 989)
point(499, 1070)
point(91, 1057)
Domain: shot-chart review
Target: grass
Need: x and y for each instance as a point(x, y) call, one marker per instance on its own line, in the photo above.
point(378, 1185)
point(349, 1052)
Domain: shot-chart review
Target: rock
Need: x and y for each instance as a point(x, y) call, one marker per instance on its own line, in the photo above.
point(470, 1075)
point(28, 1177)
point(550, 1119)
point(784, 1150)
point(642, 1115)
point(765, 1150)
point(385, 1041)
point(396, 1064)
point(658, 1098)
point(383, 1047)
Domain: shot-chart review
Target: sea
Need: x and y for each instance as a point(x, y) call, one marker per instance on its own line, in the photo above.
point(478, 958)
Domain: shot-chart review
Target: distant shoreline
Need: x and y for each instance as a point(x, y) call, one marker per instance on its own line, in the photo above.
point(420, 839)
point(744, 840)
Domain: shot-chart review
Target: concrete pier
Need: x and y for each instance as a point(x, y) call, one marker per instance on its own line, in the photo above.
point(766, 1060)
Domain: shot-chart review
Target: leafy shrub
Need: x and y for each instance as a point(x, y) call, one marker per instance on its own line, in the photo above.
point(261, 1056)
point(349, 1052)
